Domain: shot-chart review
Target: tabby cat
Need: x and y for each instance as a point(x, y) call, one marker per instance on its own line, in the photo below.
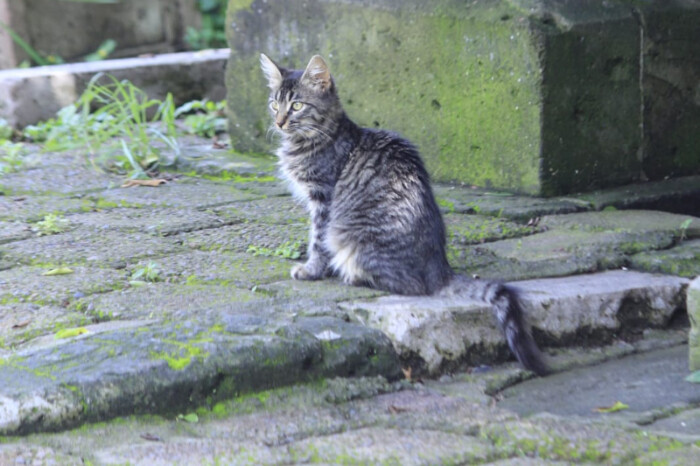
point(374, 220)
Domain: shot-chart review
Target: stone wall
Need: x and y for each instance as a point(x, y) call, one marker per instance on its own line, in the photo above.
point(72, 30)
point(540, 96)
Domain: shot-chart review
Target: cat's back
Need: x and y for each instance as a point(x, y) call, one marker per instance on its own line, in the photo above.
point(382, 158)
point(384, 177)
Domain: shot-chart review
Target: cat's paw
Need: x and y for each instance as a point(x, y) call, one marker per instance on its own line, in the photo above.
point(305, 272)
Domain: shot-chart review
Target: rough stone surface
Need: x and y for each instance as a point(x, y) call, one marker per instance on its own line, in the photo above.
point(645, 382)
point(693, 306)
point(680, 195)
point(682, 260)
point(589, 306)
point(218, 329)
point(531, 95)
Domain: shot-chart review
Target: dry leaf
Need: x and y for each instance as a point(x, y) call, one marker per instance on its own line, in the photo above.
point(407, 373)
point(58, 271)
point(22, 324)
point(393, 409)
point(618, 406)
point(152, 183)
point(151, 437)
point(70, 332)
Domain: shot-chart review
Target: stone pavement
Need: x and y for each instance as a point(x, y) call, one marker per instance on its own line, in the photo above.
point(158, 325)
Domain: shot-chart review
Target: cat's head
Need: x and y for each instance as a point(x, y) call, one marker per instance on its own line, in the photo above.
point(302, 102)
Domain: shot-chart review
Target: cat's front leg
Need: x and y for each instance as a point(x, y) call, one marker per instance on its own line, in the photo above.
point(317, 265)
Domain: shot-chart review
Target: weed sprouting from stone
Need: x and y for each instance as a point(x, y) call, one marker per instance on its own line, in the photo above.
point(52, 224)
point(150, 272)
point(288, 250)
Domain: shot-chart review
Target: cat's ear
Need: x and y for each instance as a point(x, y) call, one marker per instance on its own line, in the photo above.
point(316, 75)
point(272, 72)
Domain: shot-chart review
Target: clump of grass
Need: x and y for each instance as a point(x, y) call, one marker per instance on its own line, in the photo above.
point(287, 250)
point(121, 128)
point(11, 156)
point(6, 130)
point(52, 224)
point(203, 117)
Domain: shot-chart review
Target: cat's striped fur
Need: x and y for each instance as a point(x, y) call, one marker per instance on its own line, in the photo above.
point(374, 219)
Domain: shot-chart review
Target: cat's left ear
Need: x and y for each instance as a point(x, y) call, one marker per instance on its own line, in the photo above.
point(316, 75)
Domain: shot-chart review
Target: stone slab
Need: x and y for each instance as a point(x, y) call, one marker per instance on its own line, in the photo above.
point(162, 221)
point(476, 229)
point(452, 330)
point(645, 382)
point(188, 192)
point(684, 226)
point(29, 284)
point(30, 95)
point(239, 237)
point(680, 195)
point(614, 302)
point(82, 247)
point(556, 252)
point(693, 307)
point(162, 301)
point(468, 200)
point(682, 260)
point(340, 420)
point(22, 323)
point(103, 375)
point(23, 208)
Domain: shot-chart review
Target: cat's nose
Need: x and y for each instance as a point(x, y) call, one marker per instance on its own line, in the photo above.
point(281, 122)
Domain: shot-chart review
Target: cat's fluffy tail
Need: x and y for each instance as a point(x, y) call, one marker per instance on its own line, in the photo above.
point(510, 316)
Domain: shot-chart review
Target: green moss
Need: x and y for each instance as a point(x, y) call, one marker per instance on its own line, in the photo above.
point(234, 177)
point(446, 205)
point(182, 357)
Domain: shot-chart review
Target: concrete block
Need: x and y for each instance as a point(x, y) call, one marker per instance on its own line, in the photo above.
point(671, 89)
point(72, 30)
point(30, 95)
point(537, 96)
point(693, 305)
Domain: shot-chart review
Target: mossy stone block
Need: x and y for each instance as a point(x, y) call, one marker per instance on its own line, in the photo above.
point(534, 96)
point(693, 306)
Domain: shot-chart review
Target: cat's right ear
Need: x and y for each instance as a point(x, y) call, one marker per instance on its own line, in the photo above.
point(272, 72)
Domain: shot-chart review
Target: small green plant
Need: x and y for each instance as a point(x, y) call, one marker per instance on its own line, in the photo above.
point(203, 117)
point(11, 156)
point(212, 33)
point(148, 273)
point(683, 228)
point(52, 224)
point(103, 51)
point(6, 130)
point(287, 250)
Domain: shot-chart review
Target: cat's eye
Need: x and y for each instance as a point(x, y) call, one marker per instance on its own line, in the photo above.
point(297, 106)
point(274, 105)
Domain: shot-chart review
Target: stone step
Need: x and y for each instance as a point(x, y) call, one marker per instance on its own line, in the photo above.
point(448, 331)
point(133, 367)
